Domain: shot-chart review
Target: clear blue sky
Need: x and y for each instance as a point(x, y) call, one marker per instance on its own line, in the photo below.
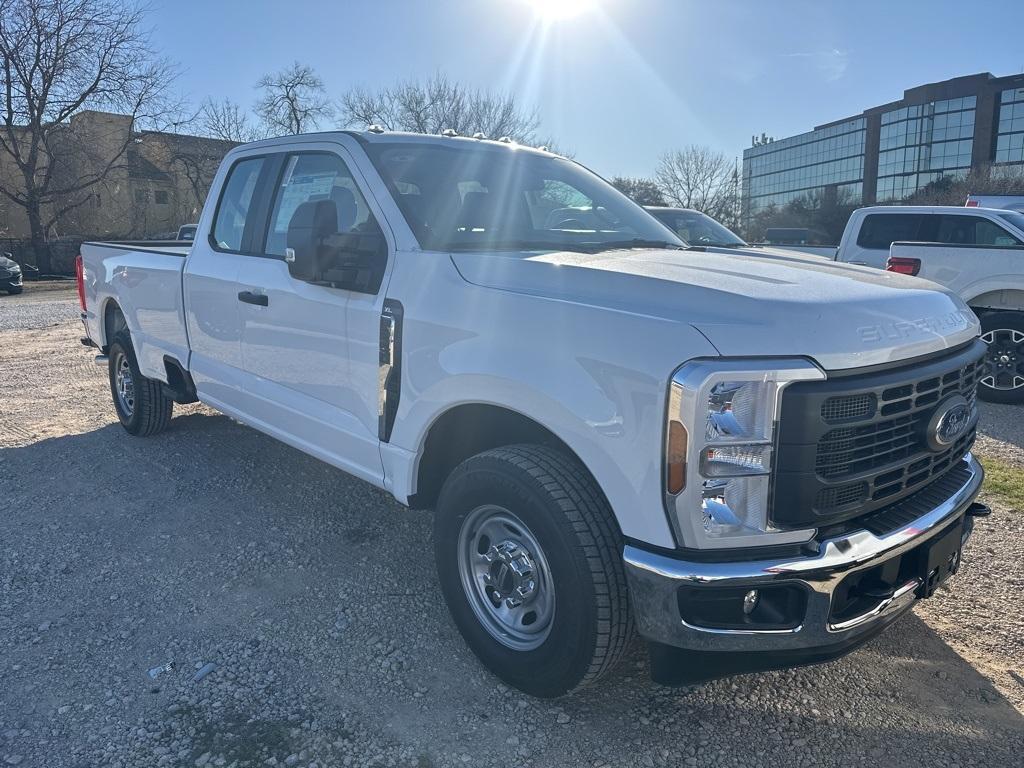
point(619, 84)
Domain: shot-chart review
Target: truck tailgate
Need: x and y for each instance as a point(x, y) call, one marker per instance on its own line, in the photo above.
point(144, 281)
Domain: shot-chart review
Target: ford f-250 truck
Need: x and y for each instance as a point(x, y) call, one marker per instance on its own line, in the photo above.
point(754, 461)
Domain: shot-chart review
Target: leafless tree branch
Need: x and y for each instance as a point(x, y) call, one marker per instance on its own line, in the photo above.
point(292, 101)
point(439, 104)
point(59, 57)
point(700, 178)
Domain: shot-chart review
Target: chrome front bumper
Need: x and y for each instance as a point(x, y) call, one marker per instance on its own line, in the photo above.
point(655, 579)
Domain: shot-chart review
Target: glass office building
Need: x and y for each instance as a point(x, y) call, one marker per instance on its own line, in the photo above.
point(891, 151)
point(804, 165)
point(920, 143)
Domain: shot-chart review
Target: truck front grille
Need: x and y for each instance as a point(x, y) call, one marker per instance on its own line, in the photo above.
point(851, 445)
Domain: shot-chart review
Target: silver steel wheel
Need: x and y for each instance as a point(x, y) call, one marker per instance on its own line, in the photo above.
point(506, 578)
point(124, 384)
point(1004, 360)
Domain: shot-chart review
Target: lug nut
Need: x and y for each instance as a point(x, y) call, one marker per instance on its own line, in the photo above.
point(750, 601)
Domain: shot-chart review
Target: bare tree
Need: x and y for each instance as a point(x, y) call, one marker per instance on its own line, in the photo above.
point(440, 104)
point(293, 100)
point(700, 178)
point(60, 57)
point(641, 191)
point(227, 121)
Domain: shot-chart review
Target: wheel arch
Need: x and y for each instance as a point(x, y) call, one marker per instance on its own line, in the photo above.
point(999, 300)
point(113, 321)
point(466, 429)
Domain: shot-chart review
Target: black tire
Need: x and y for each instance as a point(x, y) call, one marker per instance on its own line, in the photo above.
point(1004, 361)
point(14, 291)
point(567, 514)
point(149, 411)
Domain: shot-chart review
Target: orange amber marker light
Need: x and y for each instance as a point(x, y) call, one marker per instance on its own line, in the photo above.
point(675, 457)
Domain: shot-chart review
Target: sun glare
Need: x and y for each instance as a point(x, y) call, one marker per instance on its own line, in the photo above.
point(560, 10)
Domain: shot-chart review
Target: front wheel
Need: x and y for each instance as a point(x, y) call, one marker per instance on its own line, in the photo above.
point(1002, 376)
point(530, 562)
point(141, 405)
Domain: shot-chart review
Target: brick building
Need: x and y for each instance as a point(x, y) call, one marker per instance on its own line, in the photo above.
point(158, 180)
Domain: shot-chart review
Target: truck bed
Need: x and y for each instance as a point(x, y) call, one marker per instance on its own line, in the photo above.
point(143, 280)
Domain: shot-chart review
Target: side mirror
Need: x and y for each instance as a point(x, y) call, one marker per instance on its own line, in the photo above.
point(317, 253)
point(354, 260)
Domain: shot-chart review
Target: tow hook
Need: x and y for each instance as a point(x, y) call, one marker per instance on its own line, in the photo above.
point(977, 509)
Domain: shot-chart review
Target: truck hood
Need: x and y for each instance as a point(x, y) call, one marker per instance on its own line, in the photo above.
point(772, 304)
point(765, 250)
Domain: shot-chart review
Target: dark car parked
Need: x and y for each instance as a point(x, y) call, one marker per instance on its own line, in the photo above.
point(10, 274)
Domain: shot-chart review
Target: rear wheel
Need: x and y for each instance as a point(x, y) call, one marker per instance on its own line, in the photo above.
point(142, 407)
point(1002, 377)
point(530, 563)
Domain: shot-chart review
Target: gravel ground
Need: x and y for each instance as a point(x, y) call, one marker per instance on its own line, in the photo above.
point(314, 597)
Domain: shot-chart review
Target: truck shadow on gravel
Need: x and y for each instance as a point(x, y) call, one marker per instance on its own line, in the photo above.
point(316, 596)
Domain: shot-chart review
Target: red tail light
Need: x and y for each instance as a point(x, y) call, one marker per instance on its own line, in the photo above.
point(971, 203)
point(903, 265)
point(80, 278)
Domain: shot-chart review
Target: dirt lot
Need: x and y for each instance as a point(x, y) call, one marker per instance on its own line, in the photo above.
point(315, 597)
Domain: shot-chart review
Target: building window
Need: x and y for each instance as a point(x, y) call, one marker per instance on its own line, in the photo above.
point(141, 196)
point(1010, 139)
point(160, 197)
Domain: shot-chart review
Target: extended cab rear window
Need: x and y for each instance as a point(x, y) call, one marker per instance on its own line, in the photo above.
point(233, 206)
point(881, 230)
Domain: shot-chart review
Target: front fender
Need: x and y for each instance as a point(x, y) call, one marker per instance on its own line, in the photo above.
point(594, 377)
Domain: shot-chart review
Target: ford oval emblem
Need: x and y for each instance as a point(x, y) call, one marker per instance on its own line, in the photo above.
point(951, 421)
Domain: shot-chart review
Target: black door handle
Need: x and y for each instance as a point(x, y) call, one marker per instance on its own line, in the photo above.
point(259, 299)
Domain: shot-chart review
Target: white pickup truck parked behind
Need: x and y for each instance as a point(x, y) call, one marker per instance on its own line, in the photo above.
point(755, 461)
point(978, 253)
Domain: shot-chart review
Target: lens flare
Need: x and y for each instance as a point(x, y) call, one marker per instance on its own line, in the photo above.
point(560, 10)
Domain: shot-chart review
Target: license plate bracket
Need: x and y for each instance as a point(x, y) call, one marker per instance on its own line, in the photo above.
point(940, 559)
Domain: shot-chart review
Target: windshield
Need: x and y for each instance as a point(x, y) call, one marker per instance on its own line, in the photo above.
point(1016, 219)
point(487, 198)
point(698, 228)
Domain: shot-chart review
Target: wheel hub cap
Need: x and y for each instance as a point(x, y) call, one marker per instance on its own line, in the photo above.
point(511, 576)
point(125, 385)
point(1004, 364)
point(506, 578)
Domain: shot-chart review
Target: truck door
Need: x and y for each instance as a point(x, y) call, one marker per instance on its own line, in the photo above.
point(879, 230)
point(312, 352)
point(210, 284)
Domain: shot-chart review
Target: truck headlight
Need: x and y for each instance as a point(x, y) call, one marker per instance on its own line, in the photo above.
point(720, 440)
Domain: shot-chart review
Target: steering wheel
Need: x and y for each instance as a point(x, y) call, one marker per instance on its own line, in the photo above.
point(569, 222)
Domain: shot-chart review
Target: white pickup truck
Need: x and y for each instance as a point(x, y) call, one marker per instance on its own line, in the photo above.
point(978, 253)
point(754, 461)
